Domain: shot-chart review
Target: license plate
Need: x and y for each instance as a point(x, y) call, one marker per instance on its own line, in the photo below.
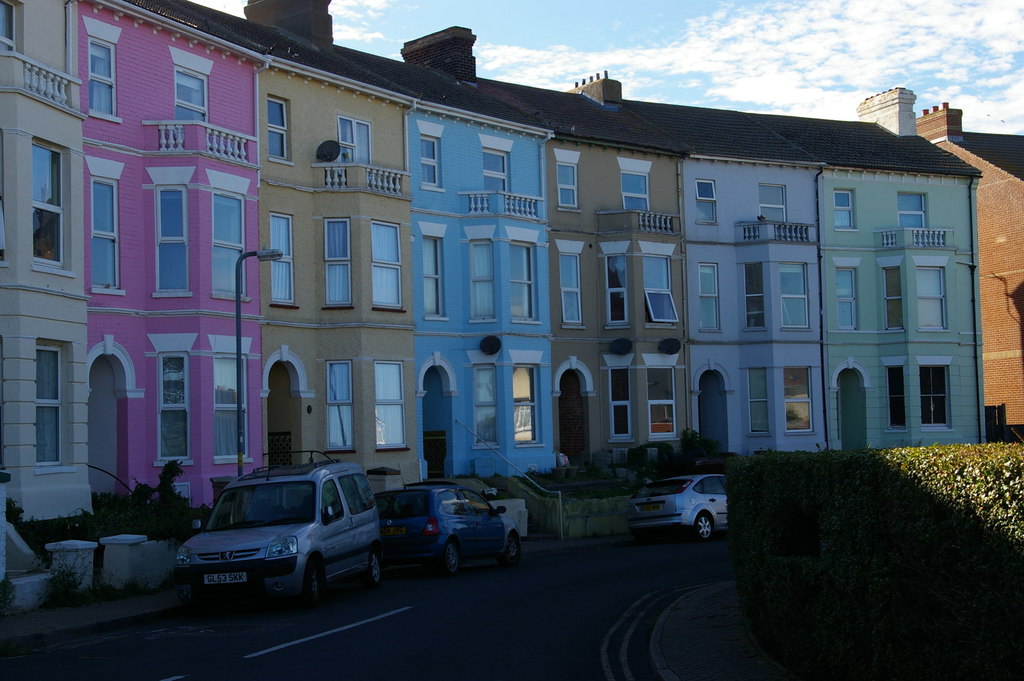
point(649, 507)
point(392, 531)
point(225, 578)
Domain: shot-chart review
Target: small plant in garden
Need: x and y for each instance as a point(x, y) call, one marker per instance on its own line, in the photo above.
point(6, 595)
point(64, 588)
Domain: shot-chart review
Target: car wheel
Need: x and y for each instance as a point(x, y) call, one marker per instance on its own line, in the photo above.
point(703, 527)
point(512, 552)
point(448, 562)
point(314, 582)
point(373, 575)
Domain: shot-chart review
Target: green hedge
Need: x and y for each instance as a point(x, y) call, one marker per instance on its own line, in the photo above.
point(900, 564)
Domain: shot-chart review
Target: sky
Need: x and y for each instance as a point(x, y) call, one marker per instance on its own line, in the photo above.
point(817, 58)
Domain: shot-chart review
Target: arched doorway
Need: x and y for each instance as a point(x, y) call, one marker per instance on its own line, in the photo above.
point(103, 426)
point(852, 410)
point(284, 418)
point(437, 423)
point(572, 416)
point(712, 409)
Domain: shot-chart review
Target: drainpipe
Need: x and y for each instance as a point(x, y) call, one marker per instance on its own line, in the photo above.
point(821, 312)
point(975, 312)
point(692, 417)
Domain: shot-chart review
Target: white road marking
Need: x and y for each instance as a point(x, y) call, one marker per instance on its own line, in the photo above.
point(174, 678)
point(327, 633)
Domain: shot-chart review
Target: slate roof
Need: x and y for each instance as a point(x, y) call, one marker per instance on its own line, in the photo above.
point(1002, 151)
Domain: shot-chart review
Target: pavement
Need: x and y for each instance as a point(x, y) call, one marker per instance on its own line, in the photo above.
point(702, 635)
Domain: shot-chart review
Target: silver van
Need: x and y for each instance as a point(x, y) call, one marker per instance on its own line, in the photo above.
point(284, 531)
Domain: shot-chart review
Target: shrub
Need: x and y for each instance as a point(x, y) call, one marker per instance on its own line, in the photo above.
point(900, 564)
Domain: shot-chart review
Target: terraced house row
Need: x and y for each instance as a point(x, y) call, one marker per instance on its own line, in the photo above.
point(471, 276)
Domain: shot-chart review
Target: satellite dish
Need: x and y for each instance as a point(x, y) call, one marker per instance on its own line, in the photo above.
point(328, 151)
point(490, 345)
point(620, 346)
point(669, 346)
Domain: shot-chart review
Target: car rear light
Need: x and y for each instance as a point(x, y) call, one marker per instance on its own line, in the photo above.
point(431, 528)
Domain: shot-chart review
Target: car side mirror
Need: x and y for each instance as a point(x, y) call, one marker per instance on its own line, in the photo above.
point(498, 510)
point(197, 525)
point(328, 515)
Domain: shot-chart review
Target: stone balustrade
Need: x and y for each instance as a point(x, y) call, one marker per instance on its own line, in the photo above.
point(766, 230)
point(179, 137)
point(356, 177)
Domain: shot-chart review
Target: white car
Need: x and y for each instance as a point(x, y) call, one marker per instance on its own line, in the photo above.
point(696, 503)
point(284, 531)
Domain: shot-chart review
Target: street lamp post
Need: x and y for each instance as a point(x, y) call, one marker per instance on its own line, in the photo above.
point(262, 255)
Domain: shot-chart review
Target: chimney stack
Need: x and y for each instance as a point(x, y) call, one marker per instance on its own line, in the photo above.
point(308, 20)
point(601, 89)
point(893, 110)
point(941, 125)
point(450, 50)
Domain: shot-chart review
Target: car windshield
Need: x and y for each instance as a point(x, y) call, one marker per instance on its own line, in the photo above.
point(662, 487)
point(273, 503)
point(402, 505)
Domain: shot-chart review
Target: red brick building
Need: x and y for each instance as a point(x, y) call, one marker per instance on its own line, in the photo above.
point(1000, 196)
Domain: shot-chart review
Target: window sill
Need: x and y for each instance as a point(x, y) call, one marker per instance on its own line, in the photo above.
point(483, 320)
point(936, 428)
point(51, 467)
point(529, 445)
point(172, 294)
point(709, 331)
point(160, 463)
point(282, 161)
point(432, 188)
point(103, 291)
point(434, 318)
point(845, 229)
point(659, 437)
point(339, 306)
point(896, 429)
point(523, 320)
point(616, 326)
point(398, 310)
point(394, 449)
point(231, 458)
point(222, 295)
point(707, 223)
point(105, 116)
point(660, 325)
point(568, 209)
point(931, 329)
point(573, 325)
point(54, 268)
point(284, 306)
point(340, 451)
point(621, 440)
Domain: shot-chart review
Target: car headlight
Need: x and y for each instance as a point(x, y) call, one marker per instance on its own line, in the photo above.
point(283, 547)
point(184, 556)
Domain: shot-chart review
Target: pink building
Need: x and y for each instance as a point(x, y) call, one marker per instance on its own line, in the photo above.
point(171, 190)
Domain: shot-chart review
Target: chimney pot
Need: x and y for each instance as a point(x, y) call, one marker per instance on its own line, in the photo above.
point(945, 105)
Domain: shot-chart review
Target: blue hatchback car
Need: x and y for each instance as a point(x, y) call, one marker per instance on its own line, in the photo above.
point(440, 525)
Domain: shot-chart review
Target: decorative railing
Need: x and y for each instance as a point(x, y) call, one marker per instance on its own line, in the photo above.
point(48, 84)
point(503, 203)
point(914, 237)
point(21, 73)
point(361, 177)
point(636, 221)
point(177, 137)
point(763, 230)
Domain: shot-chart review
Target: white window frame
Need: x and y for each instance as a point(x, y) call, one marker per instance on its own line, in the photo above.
point(707, 285)
point(568, 192)
point(104, 237)
point(753, 299)
point(167, 406)
point(481, 280)
point(277, 130)
point(846, 305)
point(355, 139)
point(228, 250)
point(7, 20)
point(620, 292)
point(339, 405)
point(758, 411)
point(170, 241)
point(430, 163)
point(42, 203)
point(892, 298)
point(50, 403)
point(707, 202)
point(106, 81)
point(433, 277)
point(485, 407)
point(791, 298)
point(797, 399)
point(768, 209)
point(386, 267)
point(337, 263)
point(634, 200)
point(931, 299)
point(524, 404)
point(495, 180)
point(521, 281)
point(224, 368)
point(660, 290)
point(619, 402)
point(896, 397)
point(929, 417)
point(194, 111)
point(653, 403)
point(282, 282)
point(389, 406)
point(569, 284)
point(911, 217)
point(842, 209)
